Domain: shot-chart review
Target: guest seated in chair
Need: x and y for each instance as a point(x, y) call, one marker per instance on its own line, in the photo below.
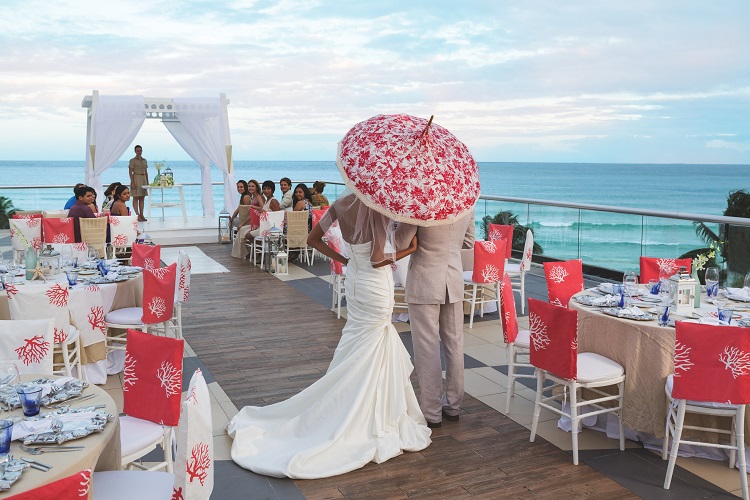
point(287, 198)
point(73, 198)
point(245, 199)
point(316, 194)
point(109, 195)
point(271, 205)
point(121, 197)
point(82, 208)
point(303, 201)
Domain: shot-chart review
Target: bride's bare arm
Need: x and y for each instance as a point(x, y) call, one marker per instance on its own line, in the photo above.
point(400, 254)
point(315, 240)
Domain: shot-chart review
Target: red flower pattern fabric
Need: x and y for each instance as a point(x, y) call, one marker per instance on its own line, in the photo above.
point(336, 266)
point(194, 461)
point(254, 219)
point(654, 268)
point(87, 313)
point(72, 487)
point(123, 229)
point(152, 380)
point(58, 230)
point(564, 279)
point(45, 300)
point(26, 233)
point(268, 220)
point(489, 261)
point(711, 363)
point(158, 294)
point(146, 256)
point(508, 311)
point(501, 232)
point(400, 167)
point(553, 339)
point(28, 344)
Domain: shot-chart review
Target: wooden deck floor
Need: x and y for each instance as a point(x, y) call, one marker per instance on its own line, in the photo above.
point(264, 340)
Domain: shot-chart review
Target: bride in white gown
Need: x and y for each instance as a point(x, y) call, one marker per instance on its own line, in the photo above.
point(364, 408)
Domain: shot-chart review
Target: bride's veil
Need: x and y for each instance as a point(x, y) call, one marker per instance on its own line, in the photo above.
point(360, 224)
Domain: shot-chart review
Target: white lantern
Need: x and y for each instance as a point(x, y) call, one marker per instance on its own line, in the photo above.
point(682, 293)
point(50, 260)
point(225, 231)
point(282, 263)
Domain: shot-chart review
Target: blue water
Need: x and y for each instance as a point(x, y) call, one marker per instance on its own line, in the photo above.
point(613, 240)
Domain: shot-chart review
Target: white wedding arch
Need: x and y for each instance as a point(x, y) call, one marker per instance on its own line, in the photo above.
point(199, 125)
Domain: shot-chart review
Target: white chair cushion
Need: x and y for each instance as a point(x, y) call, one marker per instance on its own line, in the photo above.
point(136, 434)
point(523, 340)
point(513, 268)
point(594, 367)
point(125, 316)
point(703, 404)
point(72, 336)
point(129, 484)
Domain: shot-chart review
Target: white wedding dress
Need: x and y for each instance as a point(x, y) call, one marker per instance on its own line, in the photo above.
point(362, 410)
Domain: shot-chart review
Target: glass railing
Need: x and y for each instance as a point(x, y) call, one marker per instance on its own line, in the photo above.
point(602, 236)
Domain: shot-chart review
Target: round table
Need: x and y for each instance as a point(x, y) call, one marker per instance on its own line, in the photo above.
point(646, 351)
point(101, 452)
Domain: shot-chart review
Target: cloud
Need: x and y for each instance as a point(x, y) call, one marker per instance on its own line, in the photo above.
point(742, 147)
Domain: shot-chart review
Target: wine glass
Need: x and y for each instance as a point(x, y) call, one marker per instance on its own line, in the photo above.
point(630, 280)
point(92, 255)
point(746, 284)
point(712, 282)
point(9, 376)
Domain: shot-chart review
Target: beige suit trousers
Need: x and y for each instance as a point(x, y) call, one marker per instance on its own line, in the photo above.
point(431, 325)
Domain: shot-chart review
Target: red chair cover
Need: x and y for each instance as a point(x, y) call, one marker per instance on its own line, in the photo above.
point(564, 279)
point(653, 268)
point(489, 261)
point(158, 294)
point(712, 363)
point(501, 232)
point(508, 311)
point(58, 230)
point(146, 256)
point(554, 339)
point(254, 219)
point(318, 214)
point(72, 487)
point(336, 266)
point(152, 380)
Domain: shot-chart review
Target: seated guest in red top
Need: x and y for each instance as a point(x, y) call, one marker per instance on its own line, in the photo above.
point(81, 208)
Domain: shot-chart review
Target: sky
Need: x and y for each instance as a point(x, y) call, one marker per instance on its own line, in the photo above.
point(517, 81)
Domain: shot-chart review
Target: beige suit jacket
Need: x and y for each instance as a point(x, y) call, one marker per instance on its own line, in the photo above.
point(435, 269)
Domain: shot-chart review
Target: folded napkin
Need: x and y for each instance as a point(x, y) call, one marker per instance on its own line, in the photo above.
point(3, 269)
point(112, 276)
point(630, 311)
point(603, 301)
point(25, 428)
point(56, 384)
point(739, 292)
point(606, 288)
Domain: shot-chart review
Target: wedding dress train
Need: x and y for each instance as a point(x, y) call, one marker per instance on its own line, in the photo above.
point(362, 410)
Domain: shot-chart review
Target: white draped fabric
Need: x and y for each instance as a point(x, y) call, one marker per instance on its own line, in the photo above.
point(205, 123)
point(177, 129)
point(116, 122)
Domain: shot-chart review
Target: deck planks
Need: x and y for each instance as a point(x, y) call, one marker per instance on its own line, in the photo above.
point(264, 341)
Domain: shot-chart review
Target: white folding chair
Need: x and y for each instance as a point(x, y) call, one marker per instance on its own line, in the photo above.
point(181, 292)
point(554, 353)
point(516, 341)
point(517, 270)
point(482, 285)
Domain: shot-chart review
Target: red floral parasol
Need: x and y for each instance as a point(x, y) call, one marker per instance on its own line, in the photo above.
point(409, 169)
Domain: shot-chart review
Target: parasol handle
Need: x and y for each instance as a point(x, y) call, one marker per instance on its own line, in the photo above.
point(428, 125)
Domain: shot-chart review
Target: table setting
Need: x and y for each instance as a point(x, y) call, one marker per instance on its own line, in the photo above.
point(47, 412)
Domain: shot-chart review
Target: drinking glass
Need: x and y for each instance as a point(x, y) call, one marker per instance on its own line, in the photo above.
point(92, 255)
point(654, 286)
point(72, 277)
point(9, 376)
point(110, 251)
point(630, 280)
point(663, 314)
point(725, 315)
point(31, 399)
point(712, 282)
point(746, 285)
point(6, 432)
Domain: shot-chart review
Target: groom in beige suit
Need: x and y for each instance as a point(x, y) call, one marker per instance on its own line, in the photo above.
point(434, 292)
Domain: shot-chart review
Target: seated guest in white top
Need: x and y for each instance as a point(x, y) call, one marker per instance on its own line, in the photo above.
point(287, 197)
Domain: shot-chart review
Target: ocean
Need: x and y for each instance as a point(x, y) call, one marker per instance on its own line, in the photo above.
point(610, 240)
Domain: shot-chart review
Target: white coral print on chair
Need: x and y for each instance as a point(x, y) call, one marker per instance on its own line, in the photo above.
point(736, 361)
point(33, 350)
point(170, 378)
point(682, 361)
point(129, 378)
point(539, 336)
point(558, 274)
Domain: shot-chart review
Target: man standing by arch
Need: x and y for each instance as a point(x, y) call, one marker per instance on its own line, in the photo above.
point(138, 169)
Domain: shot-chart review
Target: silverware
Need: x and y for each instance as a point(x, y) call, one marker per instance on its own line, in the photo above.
point(50, 449)
point(76, 399)
point(36, 464)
